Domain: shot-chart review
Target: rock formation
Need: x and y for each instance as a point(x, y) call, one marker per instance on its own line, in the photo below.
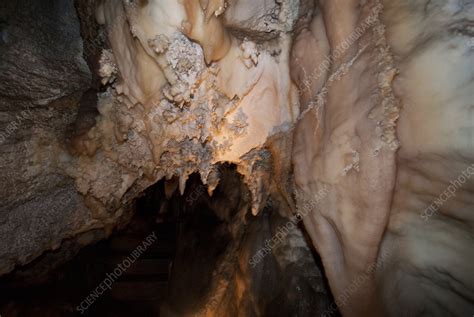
point(350, 119)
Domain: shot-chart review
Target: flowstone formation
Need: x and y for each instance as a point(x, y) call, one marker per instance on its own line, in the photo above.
point(354, 115)
point(183, 92)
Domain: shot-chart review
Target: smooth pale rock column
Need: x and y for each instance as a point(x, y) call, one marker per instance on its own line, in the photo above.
point(346, 144)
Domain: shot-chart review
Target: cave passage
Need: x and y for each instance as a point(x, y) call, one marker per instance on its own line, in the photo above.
point(46, 288)
point(194, 239)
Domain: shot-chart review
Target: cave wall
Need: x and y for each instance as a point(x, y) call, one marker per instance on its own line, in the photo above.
point(429, 233)
point(350, 122)
point(368, 101)
point(389, 134)
point(43, 76)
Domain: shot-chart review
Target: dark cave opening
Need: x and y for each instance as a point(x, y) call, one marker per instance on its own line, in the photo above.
point(195, 257)
point(71, 288)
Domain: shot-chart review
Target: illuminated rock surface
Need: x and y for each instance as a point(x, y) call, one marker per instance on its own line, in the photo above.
point(367, 102)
